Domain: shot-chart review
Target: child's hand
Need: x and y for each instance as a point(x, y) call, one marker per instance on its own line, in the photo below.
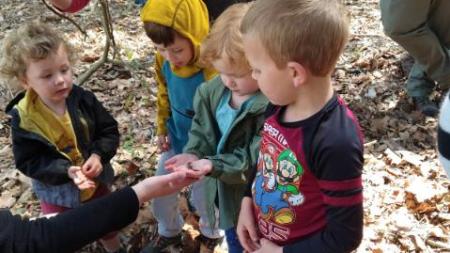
point(163, 144)
point(269, 247)
point(93, 166)
point(246, 228)
point(79, 179)
point(197, 169)
point(179, 160)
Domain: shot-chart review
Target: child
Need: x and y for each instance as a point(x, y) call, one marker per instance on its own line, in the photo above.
point(229, 113)
point(62, 136)
point(176, 27)
point(306, 195)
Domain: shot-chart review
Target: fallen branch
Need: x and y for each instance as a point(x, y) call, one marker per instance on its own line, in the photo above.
point(109, 40)
point(83, 77)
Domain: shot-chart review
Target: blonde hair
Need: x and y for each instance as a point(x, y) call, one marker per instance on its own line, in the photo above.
point(225, 39)
point(31, 42)
point(310, 32)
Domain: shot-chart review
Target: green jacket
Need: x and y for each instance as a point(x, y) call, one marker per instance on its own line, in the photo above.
point(227, 181)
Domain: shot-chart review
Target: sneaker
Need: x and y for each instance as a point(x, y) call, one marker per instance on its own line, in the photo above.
point(162, 244)
point(426, 106)
point(208, 245)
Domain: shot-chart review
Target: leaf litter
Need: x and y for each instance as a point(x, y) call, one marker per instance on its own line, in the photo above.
point(406, 192)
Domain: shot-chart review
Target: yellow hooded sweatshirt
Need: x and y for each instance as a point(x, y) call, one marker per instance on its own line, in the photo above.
point(190, 19)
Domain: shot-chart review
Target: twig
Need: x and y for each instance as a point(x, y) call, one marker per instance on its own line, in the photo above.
point(65, 17)
point(107, 24)
point(109, 40)
point(83, 77)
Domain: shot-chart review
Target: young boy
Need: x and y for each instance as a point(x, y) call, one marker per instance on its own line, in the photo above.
point(63, 138)
point(176, 27)
point(229, 113)
point(306, 195)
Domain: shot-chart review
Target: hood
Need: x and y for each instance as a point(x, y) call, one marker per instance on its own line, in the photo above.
point(188, 17)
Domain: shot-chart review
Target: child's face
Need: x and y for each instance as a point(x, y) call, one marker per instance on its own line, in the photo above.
point(238, 81)
point(273, 82)
point(50, 78)
point(179, 53)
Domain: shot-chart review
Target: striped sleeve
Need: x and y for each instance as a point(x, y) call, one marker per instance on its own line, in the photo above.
point(340, 182)
point(337, 162)
point(443, 137)
point(342, 193)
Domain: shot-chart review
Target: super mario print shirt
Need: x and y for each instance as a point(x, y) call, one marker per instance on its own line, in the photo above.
point(302, 168)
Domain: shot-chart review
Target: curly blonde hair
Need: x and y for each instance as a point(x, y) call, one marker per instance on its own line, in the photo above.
point(32, 41)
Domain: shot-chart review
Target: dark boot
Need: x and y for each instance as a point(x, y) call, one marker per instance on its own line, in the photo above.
point(426, 106)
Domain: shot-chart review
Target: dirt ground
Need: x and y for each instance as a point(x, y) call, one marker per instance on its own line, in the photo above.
point(406, 192)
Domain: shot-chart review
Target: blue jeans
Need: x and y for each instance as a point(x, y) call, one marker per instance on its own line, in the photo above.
point(234, 246)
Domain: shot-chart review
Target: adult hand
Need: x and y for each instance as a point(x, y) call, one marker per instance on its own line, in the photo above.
point(246, 228)
point(157, 186)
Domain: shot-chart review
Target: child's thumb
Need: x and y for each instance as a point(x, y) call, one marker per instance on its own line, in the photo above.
point(169, 162)
point(252, 232)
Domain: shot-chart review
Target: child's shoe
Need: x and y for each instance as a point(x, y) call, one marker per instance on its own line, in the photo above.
point(163, 244)
point(426, 106)
point(208, 245)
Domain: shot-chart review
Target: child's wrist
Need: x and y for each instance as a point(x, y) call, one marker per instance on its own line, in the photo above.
point(94, 155)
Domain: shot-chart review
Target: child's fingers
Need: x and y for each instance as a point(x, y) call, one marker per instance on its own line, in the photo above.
point(77, 180)
point(86, 185)
point(253, 232)
point(98, 171)
point(83, 183)
point(90, 173)
point(247, 243)
point(86, 167)
point(170, 163)
point(72, 172)
point(194, 174)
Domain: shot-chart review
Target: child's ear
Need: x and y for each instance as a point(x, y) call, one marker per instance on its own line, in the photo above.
point(23, 82)
point(298, 73)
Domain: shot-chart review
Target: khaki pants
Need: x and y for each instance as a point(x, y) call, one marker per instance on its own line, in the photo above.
point(421, 27)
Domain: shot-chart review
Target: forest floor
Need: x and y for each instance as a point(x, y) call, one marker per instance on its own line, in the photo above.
point(406, 192)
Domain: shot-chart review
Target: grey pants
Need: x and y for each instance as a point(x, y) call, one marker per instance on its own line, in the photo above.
point(421, 27)
point(167, 212)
